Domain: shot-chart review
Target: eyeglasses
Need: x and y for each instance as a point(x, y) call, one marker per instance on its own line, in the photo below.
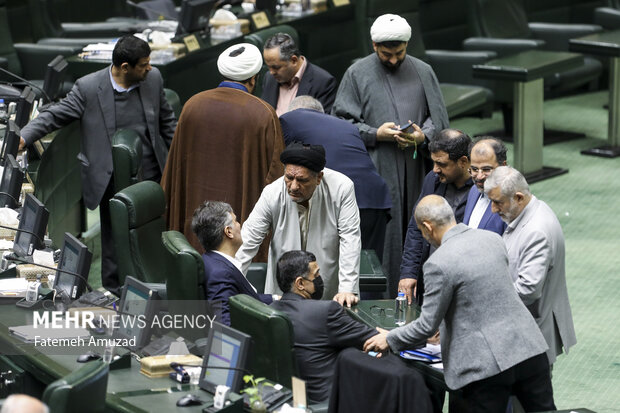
point(485, 170)
point(382, 312)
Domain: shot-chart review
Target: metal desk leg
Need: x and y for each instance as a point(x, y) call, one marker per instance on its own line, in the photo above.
point(612, 149)
point(528, 131)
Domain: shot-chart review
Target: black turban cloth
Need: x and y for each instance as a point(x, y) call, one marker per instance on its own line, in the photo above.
point(310, 156)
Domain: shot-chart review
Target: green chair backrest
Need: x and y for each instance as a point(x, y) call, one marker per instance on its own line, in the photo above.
point(174, 100)
point(58, 184)
point(273, 355)
point(126, 158)
point(503, 19)
point(84, 390)
point(257, 275)
point(137, 224)
point(185, 283)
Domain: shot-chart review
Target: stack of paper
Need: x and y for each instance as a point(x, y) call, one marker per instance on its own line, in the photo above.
point(431, 353)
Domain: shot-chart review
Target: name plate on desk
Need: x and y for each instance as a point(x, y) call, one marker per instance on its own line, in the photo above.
point(338, 3)
point(260, 20)
point(191, 42)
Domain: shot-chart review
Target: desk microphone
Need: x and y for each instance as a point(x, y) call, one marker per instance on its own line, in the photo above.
point(75, 274)
point(151, 9)
point(29, 83)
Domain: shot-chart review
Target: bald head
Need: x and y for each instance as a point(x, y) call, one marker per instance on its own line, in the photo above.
point(21, 403)
point(434, 217)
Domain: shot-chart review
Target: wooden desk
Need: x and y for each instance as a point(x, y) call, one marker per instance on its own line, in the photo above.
point(606, 44)
point(128, 389)
point(526, 71)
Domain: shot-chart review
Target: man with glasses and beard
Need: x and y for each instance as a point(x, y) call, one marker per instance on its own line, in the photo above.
point(379, 94)
point(485, 155)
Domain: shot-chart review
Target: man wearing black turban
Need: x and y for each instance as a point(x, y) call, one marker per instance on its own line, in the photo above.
point(311, 208)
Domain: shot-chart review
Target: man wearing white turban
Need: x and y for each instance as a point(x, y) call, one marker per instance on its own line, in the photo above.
point(227, 145)
point(378, 94)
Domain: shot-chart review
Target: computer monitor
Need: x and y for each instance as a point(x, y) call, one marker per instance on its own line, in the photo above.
point(24, 107)
point(137, 309)
point(10, 144)
point(269, 5)
point(228, 350)
point(74, 258)
point(54, 75)
point(31, 229)
point(194, 16)
point(11, 184)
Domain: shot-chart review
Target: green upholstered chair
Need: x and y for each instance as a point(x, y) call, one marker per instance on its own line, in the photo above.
point(502, 26)
point(185, 282)
point(137, 224)
point(257, 275)
point(84, 390)
point(273, 351)
point(273, 354)
point(463, 95)
point(609, 15)
point(58, 184)
point(26, 59)
point(126, 158)
point(174, 100)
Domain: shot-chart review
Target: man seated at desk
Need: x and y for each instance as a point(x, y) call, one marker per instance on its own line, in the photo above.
point(216, 226)
point(491, 346)
point(321, 328)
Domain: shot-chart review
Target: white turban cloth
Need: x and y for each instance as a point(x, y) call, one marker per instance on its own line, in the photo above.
point(240, 62)
point(390, 27)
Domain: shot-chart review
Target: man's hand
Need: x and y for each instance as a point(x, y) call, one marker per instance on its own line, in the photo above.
point(386, 132)
point(435, 339)
point(378, 342)
point(408, 286)
point(22, 144)
point(348, 298)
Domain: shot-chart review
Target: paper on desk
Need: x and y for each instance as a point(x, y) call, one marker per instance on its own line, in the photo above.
point(13, 287)
point(43, 258)
point(8, 217)
point(6, 244)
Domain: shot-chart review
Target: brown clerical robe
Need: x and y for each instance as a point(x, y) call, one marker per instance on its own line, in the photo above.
point(226, 147)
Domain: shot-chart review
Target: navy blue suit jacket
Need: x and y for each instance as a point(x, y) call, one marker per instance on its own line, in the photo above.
point(417, 249)
point(344, 151)
point(223, 280)
point(489, 221)
point(315, 82)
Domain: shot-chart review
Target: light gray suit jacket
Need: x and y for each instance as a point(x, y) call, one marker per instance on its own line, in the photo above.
point(535, 244)
point(485, 328)
point(92, 101)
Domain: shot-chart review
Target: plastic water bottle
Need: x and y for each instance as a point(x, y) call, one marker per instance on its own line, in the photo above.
point(4, 114)
point(400, 316)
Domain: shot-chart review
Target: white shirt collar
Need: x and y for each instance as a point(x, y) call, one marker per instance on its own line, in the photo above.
point(232, 260)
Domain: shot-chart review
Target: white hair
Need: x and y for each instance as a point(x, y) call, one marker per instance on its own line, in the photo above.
point(306, 102)
point(509, 180)
point(438, 213)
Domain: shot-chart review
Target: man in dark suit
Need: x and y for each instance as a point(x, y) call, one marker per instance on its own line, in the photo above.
point(450, 179)
point(491, 346)
point(486, 154)
point(127, 95)
point(216, 226)
point(322, 328)
point(291, 74)
point(344, 152)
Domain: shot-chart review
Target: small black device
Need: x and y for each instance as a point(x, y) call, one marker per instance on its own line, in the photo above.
point(194, 16)
point(405, 127)
point(74, 258)
point(31, 229)
point(189, 400)
point(227, 352)
point(54, 75)
point(11, 184)
point(137, 309)
point(24, 107)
